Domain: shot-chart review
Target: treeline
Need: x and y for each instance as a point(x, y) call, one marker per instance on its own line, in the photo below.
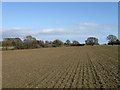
point(113, 40)
point(30, 42)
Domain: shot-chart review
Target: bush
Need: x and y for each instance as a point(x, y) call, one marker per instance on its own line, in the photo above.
point(57, 43)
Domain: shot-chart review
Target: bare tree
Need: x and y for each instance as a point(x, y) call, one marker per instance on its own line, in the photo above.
point(111, 38)
point(91, 41)
point(30, 42)
point(67, 42)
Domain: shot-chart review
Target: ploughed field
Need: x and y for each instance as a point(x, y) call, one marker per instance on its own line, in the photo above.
point(63, 67)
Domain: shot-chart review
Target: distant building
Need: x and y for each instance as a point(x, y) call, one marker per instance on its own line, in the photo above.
point(13, 39)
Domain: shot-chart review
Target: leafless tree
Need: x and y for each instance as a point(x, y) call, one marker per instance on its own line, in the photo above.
point(111, 38)
point(91, 41)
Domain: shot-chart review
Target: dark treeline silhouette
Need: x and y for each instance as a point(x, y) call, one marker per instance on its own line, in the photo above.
point(30, 42)
point(117, 42)
point(113, 40)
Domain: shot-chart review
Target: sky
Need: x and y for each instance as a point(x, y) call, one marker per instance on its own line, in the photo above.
point(60, 20)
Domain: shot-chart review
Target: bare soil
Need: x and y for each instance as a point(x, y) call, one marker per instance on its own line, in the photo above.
point(63, 67)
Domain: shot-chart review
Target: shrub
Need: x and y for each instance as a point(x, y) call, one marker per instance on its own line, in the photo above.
point(57, 43)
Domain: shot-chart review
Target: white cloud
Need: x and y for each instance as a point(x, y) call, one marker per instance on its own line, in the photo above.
point(83, 29)
point(18, 32)
point(54, 31)
point(47, 30)
point(17, 28)
point(88, 24)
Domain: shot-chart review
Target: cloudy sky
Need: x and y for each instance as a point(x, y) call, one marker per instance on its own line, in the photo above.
point(67, 20)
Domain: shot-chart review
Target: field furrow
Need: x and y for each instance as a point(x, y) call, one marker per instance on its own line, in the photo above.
point(62, 67)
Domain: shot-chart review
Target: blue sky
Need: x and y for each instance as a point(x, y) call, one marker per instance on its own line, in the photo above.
point(62, 20)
